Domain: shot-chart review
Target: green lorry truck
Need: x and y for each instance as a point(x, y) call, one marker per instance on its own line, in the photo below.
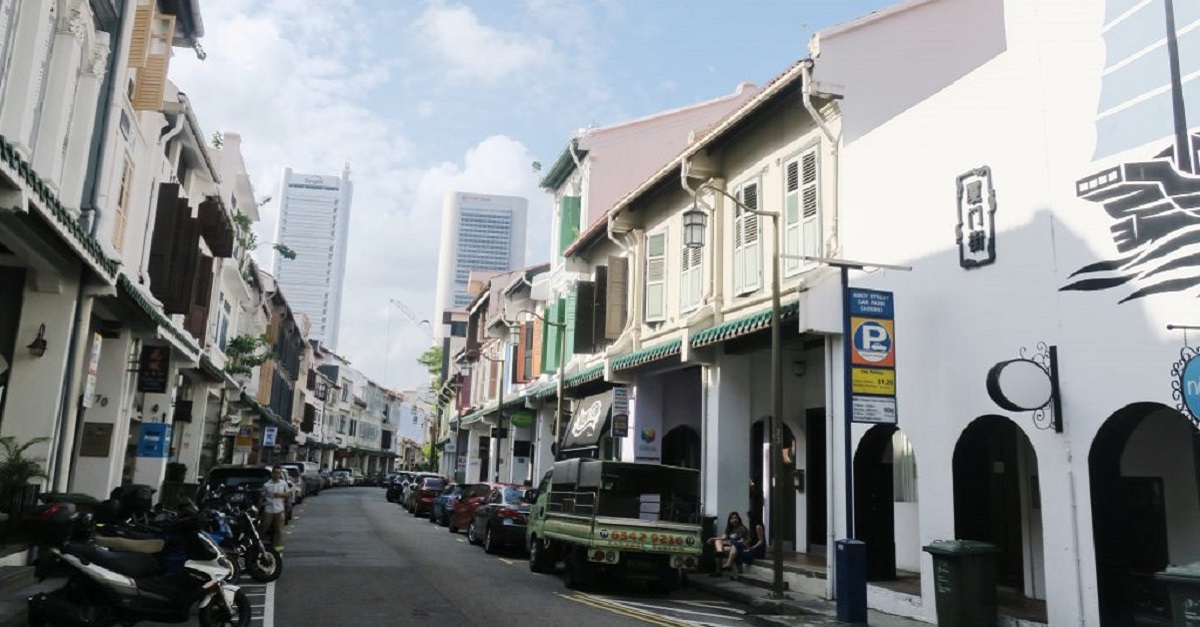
point(609, 521)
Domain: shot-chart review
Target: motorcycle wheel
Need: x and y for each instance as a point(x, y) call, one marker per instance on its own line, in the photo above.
point(215, 614)
point(264, 566)
point(235, 567)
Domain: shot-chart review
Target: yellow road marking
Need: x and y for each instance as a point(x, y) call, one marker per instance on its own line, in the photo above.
point(506, 561)
point(654, 619)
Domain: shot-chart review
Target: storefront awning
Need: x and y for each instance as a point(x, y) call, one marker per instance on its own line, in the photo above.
point(589, 422)
point(647, 355)
point(595, 373)
point(744, 325)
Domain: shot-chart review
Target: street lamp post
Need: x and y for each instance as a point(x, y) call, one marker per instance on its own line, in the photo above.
point(695, 226)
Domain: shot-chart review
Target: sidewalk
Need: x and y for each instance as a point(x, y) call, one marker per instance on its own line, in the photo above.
point(797, 610)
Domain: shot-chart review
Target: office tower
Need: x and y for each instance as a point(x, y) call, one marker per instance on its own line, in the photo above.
point(479, 232)
point(314, 221)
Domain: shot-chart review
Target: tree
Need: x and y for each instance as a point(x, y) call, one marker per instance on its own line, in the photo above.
point(246, 352)
point(432, 360)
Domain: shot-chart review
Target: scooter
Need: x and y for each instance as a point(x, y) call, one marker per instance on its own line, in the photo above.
point(119, 580)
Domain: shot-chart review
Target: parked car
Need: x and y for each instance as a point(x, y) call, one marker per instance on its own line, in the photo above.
point(341, 478)
point(326, 480)
point(309, 476)
point(462, 511)
point(422, 494)
point(439, 513)
point(385, 481)
point(501, 518)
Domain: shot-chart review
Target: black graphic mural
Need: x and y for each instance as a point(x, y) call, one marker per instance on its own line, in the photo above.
point(1154, 204)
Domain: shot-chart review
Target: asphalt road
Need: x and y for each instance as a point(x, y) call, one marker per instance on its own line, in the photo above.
point(352, 558)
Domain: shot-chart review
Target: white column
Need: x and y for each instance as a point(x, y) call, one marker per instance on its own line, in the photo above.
point(34, 389)
point(727, 434)
point(191, 442)
point(83, 122)
point(35, 28)
point(57, 108)
point(97, 476)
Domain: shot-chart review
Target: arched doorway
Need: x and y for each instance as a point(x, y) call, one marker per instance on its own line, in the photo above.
point(1145, 508)
point(885, 502)
point(996, 500)
point(681, 447)
point(760, 445)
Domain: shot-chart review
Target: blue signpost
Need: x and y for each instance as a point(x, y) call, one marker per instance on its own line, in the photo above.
point(154, 440)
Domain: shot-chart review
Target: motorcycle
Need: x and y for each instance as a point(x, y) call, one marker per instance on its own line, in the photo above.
point(231, 525)
point(126, 580)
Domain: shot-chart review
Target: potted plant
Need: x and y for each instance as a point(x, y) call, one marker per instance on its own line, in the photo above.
point(17, 472)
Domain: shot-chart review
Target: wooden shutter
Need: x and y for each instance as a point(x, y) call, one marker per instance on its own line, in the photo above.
point(656, 277)
point(139, 39)
point(121, 219)
point(810, 197)
point(739, 252)
point(751, 240)
point(162, 240)
point(196, 321)
point(696, 279)
point(568, 221)
point(552, 332)
point(151, 77)
point(791, 215)
point(599, 308)
point(617, 296)
point(527, 360)
point(535, 367)
point(519, 351)
point(584, 340)
point(177, 297)
point(566, 313)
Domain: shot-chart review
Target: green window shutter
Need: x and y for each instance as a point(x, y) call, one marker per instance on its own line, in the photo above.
point(791, 216)
point(810, 193)
point(570, 303)
point(656, 277)
point(550, 333)
point(751, 240)
point(568, 222)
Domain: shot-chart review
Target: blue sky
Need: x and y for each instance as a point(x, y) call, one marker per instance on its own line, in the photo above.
point(422, 97)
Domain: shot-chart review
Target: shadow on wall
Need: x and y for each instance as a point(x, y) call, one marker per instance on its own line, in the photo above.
point(927, 48)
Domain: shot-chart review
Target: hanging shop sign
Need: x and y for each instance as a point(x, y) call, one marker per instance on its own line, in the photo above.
point(872, 367)
point(89, 382)
point(154, 439)
point(269, 436)
point(1185, 384)
point(1029, 384)
point(620, 412)
point(244, 440)
point(154, 367)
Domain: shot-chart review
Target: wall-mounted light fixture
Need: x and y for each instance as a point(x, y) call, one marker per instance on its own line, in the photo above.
point(37, 347)
point(695, 222)
point(799, 367)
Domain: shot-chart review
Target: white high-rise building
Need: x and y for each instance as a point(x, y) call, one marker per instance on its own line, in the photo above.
point(314, 221)
point(479, 232)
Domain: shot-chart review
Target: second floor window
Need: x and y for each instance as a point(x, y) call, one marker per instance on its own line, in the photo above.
point(747, 249)
point(801, 204)
point(691, 279)
point(656, 277)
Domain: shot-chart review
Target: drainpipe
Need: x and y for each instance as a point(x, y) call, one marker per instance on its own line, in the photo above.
point(830, 477)
point(1075, 538)
point(831, 244)
point(90, 221)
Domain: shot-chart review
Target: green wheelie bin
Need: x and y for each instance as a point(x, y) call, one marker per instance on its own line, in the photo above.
point(1184, 585)
point(964, 576)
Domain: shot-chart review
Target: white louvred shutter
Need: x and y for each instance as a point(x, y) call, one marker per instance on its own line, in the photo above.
point(751, 240)
point(656, 277)
point(810, 193)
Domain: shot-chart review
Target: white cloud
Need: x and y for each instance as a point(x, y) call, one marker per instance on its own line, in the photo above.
point(475, 51)
point(296, 80)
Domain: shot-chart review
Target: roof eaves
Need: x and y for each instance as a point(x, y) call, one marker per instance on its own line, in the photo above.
point(773, 87)
point(563, 166)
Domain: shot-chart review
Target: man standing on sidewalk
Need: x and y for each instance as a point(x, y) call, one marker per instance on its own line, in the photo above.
point(276, 494)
